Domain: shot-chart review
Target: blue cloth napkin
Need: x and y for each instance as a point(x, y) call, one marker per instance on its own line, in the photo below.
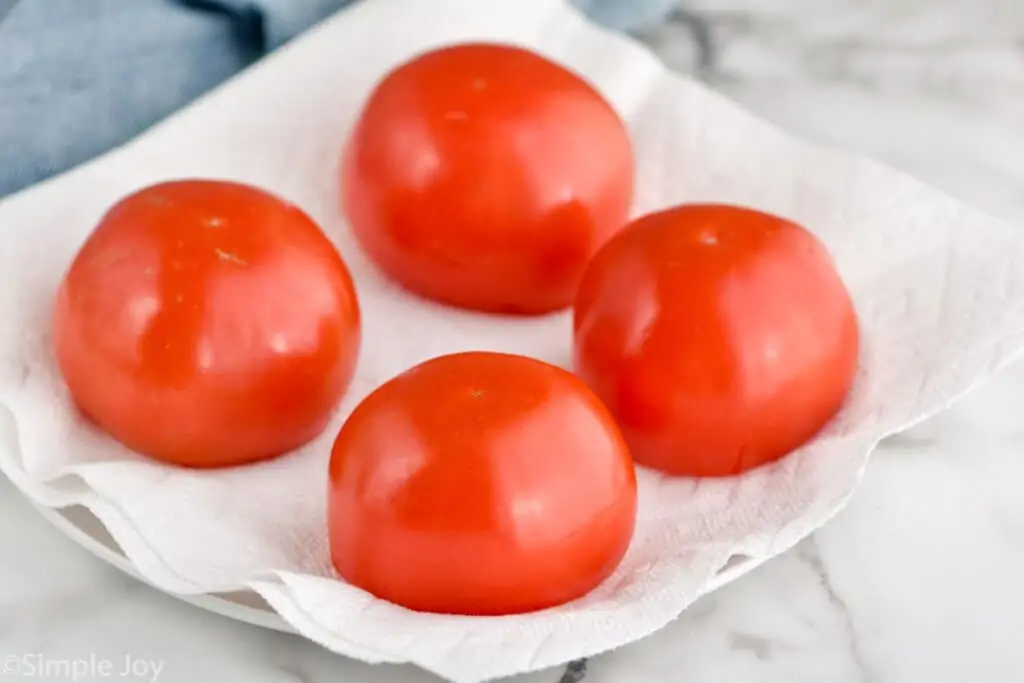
point(78, 77)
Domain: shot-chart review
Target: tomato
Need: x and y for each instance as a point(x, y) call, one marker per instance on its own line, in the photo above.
point(207, 323)
point(720, 337)
point(486, 176)
point(480, 483)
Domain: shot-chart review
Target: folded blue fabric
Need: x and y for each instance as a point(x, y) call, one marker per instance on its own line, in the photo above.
point(78, 77)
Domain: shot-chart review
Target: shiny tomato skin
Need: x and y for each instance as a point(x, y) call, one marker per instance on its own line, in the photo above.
point(207, 323)
point(480, 483)
point(485, 176)
point(720, 337)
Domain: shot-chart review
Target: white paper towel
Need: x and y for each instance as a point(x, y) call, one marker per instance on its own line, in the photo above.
point(939, 287)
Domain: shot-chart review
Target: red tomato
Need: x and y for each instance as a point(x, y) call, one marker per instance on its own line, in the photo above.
point(720, 337)
point(480, 483)
point(486, 176)
point(207, 323)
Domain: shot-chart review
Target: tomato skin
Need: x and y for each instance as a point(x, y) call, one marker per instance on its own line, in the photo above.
point(480, 483)
point(206, 324)
point(720, 337)
point(485, 176)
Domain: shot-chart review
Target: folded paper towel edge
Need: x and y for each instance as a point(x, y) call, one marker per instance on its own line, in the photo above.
point(272, 585)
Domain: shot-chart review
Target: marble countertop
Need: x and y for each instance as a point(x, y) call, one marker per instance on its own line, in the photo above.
point(917, 580)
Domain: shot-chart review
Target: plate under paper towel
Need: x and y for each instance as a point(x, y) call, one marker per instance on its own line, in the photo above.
point(939, 288)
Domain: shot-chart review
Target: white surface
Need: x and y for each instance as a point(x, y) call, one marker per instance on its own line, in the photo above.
point(882, 593)
point(84, 528)
point(87, 530)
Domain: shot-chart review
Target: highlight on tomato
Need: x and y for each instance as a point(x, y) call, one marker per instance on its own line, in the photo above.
point(720, 337)
point(207, 323)
point(482, 484)
point(485, 176)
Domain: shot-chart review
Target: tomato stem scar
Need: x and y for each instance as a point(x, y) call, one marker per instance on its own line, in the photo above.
point(225, 256)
